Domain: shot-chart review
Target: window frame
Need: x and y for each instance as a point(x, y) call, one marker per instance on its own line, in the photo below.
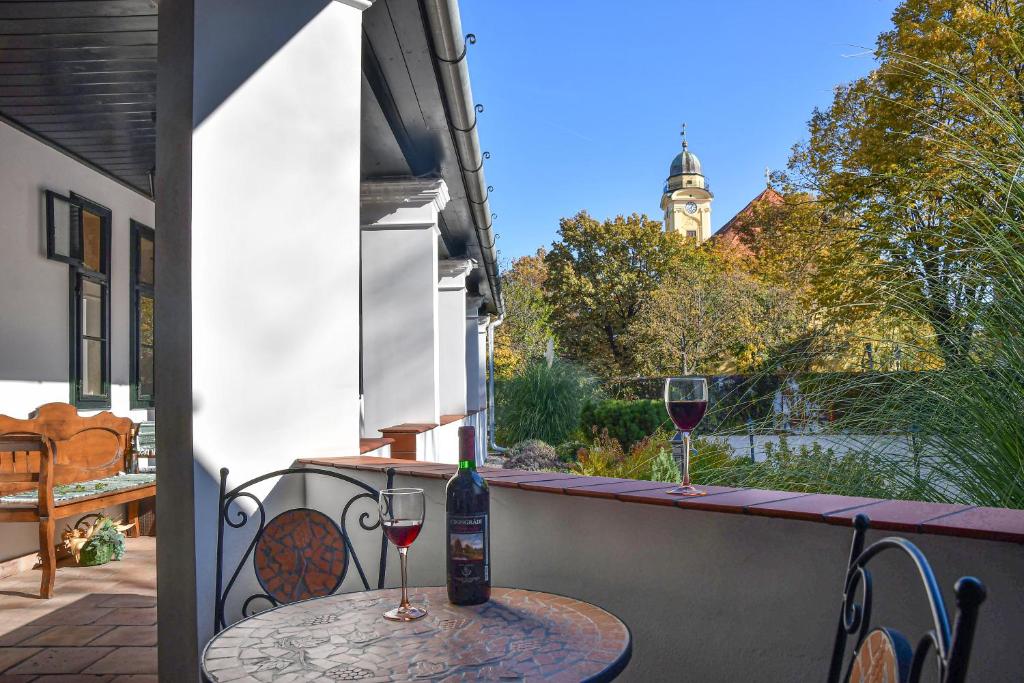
point(139, 290)
point(78, 274)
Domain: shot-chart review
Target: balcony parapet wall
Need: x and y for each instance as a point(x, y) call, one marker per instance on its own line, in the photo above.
point(944, 519)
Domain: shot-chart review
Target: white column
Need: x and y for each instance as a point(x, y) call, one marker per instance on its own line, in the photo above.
point(473, 354)
point(258, 128)
point(451, 292)
point(401, 374)
point(482, 323)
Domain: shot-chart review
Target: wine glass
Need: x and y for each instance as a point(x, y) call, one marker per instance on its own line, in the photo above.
point(686, 400)
point(401, 514)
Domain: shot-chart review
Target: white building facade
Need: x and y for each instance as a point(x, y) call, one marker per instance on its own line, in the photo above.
point(302, 216)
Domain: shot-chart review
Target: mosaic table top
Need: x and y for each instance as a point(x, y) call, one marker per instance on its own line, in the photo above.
point(519, 635)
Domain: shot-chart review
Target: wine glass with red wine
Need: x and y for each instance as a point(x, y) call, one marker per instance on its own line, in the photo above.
point(686, 399)
point(401, 514)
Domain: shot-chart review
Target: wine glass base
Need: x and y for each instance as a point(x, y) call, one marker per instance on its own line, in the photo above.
point(687, 491)
point(405, 614)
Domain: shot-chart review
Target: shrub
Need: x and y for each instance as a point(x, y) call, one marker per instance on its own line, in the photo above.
point(532, 455)
point(543, 402)
point(628, 422)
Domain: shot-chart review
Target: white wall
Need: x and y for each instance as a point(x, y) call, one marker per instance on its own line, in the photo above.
point(34, 291)
point(34, 314)
point(720, 597)
point(257, 318)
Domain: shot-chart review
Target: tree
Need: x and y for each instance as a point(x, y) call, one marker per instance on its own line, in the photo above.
point(525, 332)
point(874, 159)
point(716, 319)
point(599, 275)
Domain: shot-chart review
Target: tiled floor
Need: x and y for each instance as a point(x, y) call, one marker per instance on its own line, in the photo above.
point(99, 627)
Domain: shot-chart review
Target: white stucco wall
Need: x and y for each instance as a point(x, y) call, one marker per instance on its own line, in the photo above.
point(257, 316)
point(34, 291)
point(34, 314)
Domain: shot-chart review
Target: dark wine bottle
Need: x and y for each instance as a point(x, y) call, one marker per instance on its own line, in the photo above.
point(469, 531)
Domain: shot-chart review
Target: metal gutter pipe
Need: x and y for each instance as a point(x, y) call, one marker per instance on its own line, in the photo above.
point(449, 47)
point(491, 419)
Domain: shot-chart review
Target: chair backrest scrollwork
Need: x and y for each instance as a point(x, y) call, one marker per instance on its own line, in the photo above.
point(950, 647)
point(299, 554)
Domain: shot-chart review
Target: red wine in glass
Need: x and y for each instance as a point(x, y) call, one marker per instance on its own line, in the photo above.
point(401, 514)
point(686, 400)
point(686, 415)
point(402, 532)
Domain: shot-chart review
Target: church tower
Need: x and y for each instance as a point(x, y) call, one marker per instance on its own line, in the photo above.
point(686, 199)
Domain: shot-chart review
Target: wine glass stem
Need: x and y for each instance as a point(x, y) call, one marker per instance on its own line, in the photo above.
point(686, 459)
point(403, 554)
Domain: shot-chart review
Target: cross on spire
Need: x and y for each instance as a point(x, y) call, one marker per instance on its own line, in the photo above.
point(767, 176)
point(683, 134)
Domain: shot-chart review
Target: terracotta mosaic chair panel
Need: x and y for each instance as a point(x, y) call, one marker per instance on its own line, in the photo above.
point(300, 553)
point(884, 655)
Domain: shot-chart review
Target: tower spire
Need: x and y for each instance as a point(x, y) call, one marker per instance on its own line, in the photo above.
point(683, 135)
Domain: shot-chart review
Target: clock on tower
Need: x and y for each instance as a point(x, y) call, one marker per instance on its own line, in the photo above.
point(686, 199)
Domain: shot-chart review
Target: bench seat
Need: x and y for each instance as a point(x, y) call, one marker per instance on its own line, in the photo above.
point(57, 464)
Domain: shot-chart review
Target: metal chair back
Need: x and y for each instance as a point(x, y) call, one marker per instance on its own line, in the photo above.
point(299, 554)
point(950, 648)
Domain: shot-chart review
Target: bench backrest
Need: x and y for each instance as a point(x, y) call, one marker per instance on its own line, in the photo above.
point(83, 448)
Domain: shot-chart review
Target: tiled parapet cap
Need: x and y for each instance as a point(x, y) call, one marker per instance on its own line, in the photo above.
point(943, 519)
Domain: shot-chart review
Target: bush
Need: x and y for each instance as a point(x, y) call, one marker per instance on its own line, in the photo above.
point(532, 455)
point(628, 422)
point(568, 452)
point(543, 402)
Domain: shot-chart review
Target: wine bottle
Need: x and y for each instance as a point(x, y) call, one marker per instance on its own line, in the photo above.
point(468, 506)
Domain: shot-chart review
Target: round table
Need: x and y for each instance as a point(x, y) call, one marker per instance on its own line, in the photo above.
point(518, 635)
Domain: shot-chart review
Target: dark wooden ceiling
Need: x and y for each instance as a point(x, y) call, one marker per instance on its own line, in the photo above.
point(82, 75)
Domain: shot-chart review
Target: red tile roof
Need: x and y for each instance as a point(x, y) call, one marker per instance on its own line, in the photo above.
point(732, 233)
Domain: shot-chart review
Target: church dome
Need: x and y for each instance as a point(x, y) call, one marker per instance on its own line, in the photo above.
point(685, 162)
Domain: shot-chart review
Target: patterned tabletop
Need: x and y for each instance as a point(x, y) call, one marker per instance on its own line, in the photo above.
point(518, 635)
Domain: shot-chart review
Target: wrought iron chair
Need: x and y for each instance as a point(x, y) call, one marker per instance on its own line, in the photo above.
point(301, 553)
point(884, 654)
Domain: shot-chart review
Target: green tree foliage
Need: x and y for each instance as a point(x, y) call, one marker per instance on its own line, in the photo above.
point(524, 334)
point(873, 158)
point(599, 275)
point(712, 318)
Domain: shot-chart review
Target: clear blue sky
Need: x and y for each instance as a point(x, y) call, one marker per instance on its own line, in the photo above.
point(584, 98)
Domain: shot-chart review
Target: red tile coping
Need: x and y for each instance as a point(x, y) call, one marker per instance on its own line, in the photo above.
point(992, 524)
point(367, 445)
point(409, 428)
point(448, 419)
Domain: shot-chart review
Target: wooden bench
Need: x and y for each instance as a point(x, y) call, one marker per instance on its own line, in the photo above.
point(55, 448)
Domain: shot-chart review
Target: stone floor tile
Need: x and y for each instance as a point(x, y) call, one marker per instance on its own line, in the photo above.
point(135, 678)
point(14, 678)
point(128, 635)
point(71, 678)
point(129, 601)
point(70, 636)
point(60, 660)
point(129, 616)
point(126, 660)
point(9, 656)
point(20, 634)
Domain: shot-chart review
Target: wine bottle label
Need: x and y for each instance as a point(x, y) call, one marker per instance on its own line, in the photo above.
point(468, 550)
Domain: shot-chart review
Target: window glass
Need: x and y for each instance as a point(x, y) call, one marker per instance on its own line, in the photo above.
point(691, 233)
point(92, 241)
point(92, 367)
point(61, 227)
point(146, 371)
point(146, 261)
point(146, 320)
point(92, 308)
